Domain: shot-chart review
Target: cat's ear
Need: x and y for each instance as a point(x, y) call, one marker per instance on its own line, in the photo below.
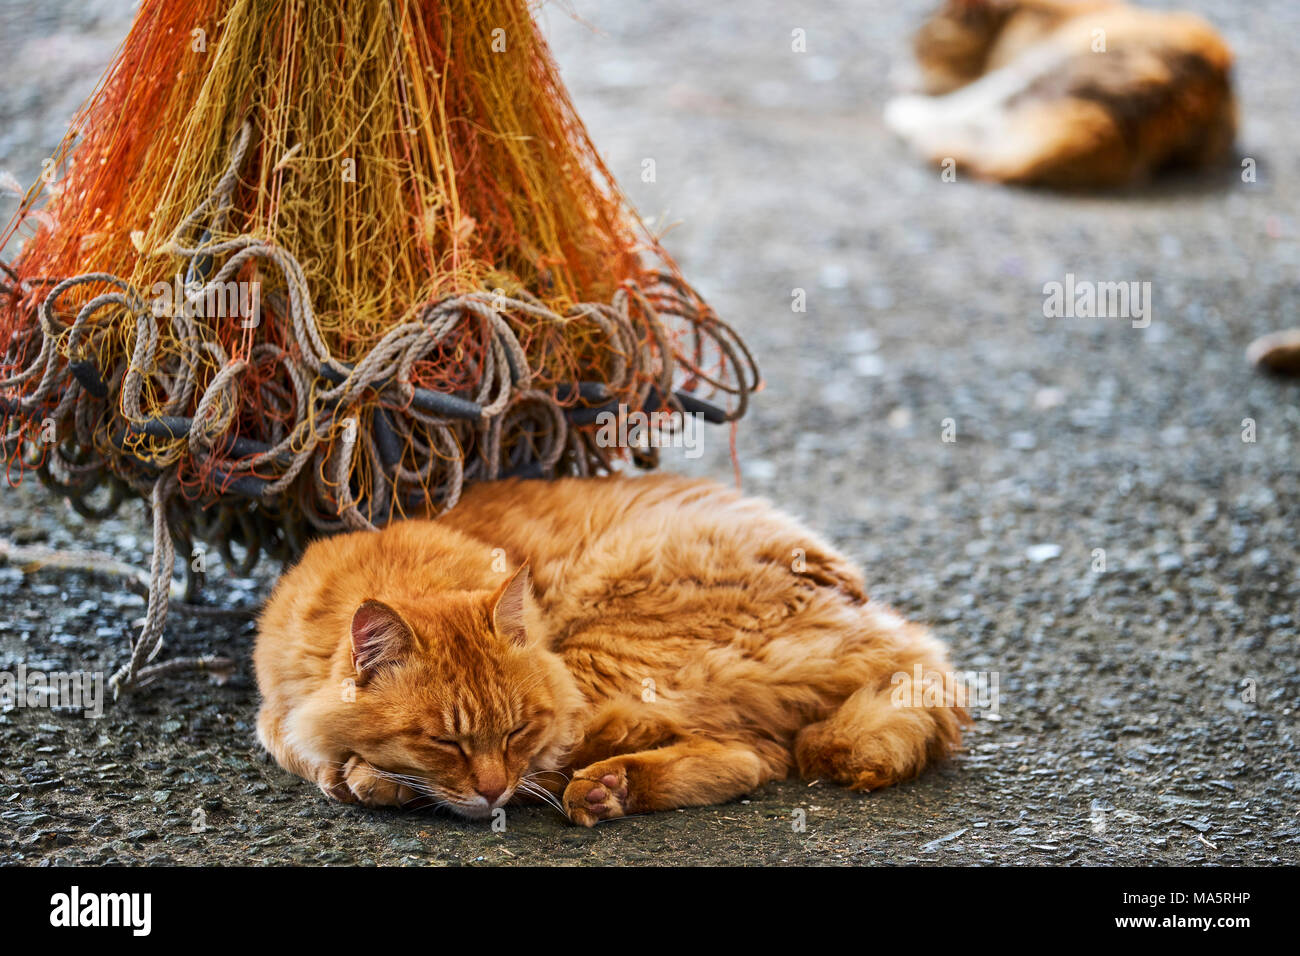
point(379, 636)
point(508, 605)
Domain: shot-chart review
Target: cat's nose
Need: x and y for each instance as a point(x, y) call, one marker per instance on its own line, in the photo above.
point(491, 792)
point(489, 778)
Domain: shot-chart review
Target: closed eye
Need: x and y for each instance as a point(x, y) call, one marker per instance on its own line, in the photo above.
point(447, 743)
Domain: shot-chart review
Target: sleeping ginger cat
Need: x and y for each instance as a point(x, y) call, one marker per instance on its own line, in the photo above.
point(1091, 93)
point(653, 642)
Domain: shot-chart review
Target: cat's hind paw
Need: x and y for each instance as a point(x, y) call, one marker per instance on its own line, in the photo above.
point(596, 794)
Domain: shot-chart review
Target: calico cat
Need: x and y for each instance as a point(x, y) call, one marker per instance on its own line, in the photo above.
point(1092, 93)
point(622, 644)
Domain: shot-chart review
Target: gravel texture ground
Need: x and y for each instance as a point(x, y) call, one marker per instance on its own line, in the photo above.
point(1146, 710)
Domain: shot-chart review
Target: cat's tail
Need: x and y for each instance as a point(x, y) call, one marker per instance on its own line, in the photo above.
point(891, 730)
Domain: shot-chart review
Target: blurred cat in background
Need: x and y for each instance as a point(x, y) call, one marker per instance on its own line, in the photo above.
point(611, 645)
point(1093, 93)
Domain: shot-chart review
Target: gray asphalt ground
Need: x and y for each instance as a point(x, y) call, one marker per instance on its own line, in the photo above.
point(1146, 711)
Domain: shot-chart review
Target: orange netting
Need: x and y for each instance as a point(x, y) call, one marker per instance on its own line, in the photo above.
point(304, 266)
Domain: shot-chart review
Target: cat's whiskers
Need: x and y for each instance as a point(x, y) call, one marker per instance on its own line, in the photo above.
point(540, 790)
point(421, 785)
point(411, 780)
point(537, 773)
point(527, 786)
point(544, 799)
point(437, 802)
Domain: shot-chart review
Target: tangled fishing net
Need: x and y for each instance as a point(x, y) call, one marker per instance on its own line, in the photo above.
point(303, 266)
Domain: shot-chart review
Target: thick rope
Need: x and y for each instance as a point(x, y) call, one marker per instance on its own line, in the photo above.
point(361, 444)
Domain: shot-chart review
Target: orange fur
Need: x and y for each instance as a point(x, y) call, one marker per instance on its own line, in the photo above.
point(679, 644)
point(1019, 91)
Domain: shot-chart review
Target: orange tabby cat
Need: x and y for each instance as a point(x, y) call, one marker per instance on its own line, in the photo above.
point(656, 642)
point(1058, 93)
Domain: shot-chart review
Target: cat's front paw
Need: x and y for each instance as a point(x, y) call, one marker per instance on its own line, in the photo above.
point(595, 794)
point(331, 783)
point(367, 786)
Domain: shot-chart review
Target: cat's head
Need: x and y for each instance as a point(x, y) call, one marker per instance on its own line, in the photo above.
point(953, 45)
point(456, 695)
